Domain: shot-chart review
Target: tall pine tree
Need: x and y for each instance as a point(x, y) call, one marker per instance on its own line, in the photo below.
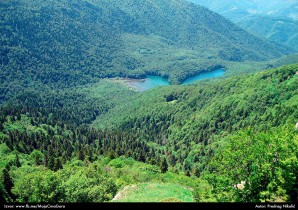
point(7, 181)
point(164, 165)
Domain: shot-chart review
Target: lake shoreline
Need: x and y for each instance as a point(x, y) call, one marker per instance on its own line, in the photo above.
point(154, 81)
point(127, 82)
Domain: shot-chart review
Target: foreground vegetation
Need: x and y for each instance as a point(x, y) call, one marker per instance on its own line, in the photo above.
point(83, 181)
point(152, 192)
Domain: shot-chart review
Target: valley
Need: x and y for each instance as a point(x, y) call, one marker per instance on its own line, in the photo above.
point(106, 101)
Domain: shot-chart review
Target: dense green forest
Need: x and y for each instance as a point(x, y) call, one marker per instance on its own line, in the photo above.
point(278, 29)
point(57, 42)
point(227, 140)
point(70, 133)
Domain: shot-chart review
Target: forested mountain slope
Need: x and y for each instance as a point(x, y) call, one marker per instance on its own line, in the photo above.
point(192, 123)
point(68, 135)
point(278, 29)
point(239, 10)
point(245, 123)
point(57, 42)
point(254, 92)
point(231, 132)
point(275, 20)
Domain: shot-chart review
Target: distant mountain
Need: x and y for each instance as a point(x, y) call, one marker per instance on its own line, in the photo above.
point(272, 19)
point(281, 30)
point(236, 10)
point(71, 41)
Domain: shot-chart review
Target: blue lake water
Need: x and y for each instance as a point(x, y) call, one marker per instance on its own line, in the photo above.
point(204, 75)
point(154, 81)
point(149, 82)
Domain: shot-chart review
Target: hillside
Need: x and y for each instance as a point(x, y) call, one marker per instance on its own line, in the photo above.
point(281, 30)
point(72, 130)
point(189, 123)
point(188, 136)
point(194, 101)
point(239, 10)
point(67, 43)
point(274, 20)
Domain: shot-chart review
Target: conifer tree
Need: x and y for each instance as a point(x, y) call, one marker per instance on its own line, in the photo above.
point(7, 181)
point(163, 166)
point(17, 161)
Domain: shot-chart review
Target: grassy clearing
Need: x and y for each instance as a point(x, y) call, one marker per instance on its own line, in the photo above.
point(154, 192)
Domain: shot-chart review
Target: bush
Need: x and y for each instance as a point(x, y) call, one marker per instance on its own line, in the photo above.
point(117, 163)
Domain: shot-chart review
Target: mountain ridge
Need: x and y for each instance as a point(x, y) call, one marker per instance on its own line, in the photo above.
point(274, 20)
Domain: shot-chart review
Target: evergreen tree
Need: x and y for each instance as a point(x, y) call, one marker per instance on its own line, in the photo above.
point(7, 181)
point(80, 155)
point(46, 159)
point(111, 155)
point(17, 161)
point(197, 172)
point(164, 165)
point(57, 164)
point(3, 194)
point(51, 163)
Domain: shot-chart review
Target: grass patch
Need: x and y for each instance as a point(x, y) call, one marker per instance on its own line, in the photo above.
point(154, 192)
